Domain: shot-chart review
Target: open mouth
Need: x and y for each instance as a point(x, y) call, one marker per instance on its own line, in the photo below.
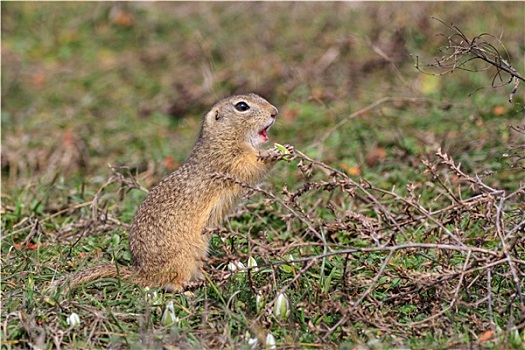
point(264, 132)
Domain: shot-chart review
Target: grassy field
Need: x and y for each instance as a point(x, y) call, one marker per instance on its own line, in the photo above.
point(398, 223)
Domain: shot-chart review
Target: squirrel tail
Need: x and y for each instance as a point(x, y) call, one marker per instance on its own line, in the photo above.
point(93, 273)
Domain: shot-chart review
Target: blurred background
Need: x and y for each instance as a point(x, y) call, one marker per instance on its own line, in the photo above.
point(90, 84)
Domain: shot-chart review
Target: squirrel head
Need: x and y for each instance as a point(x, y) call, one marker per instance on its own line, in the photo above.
point(241, 118)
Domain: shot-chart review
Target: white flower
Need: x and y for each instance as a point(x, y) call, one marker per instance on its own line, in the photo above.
point(270, 341)
point(252, 342)
point(253, 263)
point(168, 317)
point(73, 320)
point(152, 297)
point(281, 309)
point(235, 265)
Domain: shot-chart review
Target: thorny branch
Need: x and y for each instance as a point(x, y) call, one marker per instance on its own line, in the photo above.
point(454, 283)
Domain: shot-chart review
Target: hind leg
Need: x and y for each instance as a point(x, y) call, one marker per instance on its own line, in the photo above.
point(174, 282)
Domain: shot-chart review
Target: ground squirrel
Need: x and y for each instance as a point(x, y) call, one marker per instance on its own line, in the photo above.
point(167, 238)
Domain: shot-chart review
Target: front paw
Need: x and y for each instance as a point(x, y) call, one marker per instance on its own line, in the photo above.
point(269, 156)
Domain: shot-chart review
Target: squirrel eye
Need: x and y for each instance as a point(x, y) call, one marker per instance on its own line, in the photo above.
point(242, 106)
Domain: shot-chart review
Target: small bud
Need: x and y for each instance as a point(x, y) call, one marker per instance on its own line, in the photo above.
point(115, 240)
point(515, 338)
point(259, 302)
point(168, 317)
point(289, 268)
point(281, 309)
point(253, 263)
point(30, 283)
point(270, 341)
point(73, 320)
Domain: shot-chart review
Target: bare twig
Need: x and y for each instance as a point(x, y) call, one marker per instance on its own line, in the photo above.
point(461, 51)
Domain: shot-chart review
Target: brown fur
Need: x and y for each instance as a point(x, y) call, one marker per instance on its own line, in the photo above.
point(167, 239)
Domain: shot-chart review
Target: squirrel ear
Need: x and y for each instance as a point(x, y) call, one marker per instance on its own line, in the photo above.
point(212, 116)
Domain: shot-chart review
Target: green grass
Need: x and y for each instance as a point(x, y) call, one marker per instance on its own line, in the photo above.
point(88, 85)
